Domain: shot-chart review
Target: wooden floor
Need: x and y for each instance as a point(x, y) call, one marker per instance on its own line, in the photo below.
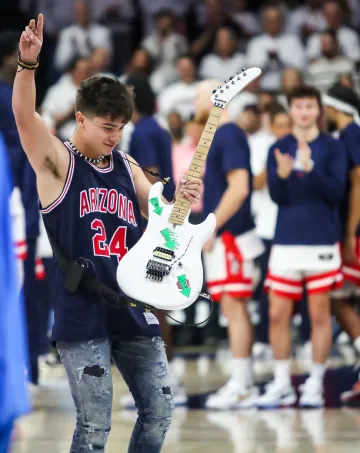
point(48, 429)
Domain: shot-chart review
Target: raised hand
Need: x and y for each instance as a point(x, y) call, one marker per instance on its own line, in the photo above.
point(31, 40)
point(285, 164)
point(304, 153)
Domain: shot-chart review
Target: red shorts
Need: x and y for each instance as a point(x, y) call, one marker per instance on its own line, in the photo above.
point(290, 284)
point(226, 271)
point(352, 271)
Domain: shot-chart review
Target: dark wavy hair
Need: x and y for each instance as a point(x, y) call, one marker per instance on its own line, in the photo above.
point(304, 91)
point(105, 97)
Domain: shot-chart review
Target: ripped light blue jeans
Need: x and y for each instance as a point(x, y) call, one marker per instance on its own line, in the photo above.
point(143, 365)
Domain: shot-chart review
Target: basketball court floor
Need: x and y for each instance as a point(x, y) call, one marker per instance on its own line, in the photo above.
point(334, 429)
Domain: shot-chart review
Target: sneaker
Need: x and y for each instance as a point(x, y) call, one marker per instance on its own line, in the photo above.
point(312, 394)
point(178, 391)
point(232, 396)
point(277, 395)
point(351, 396)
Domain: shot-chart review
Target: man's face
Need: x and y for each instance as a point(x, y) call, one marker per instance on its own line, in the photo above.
point(328, 46)
point(272, 21)
point(101, 134)
point(186, 70)
point(304, 112)
point(281, 125)
point(333, 15)
point(249, 121)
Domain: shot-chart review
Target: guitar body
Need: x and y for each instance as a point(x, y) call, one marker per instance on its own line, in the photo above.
point(164, 268)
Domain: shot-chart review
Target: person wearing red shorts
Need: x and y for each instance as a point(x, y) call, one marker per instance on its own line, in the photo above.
point(229, 254)
point(342, 106)
point(307, 173)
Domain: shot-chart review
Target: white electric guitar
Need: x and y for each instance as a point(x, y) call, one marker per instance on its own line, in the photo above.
point(164, 268)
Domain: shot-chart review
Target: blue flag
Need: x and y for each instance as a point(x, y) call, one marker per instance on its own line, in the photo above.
point(13, 351)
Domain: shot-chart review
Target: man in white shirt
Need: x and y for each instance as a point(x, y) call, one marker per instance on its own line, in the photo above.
point(348, 39)
point(84, 38)
point(165, 45)
point(225, 61)
point(58, 108)
point(180, 96)
point(325, 70)
point(274, 50)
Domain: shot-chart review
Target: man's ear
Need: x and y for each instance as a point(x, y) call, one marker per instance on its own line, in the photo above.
point(80, 119)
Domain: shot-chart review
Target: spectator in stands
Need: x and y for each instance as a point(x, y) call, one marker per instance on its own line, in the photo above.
point(307, 19)
point(229, 253)
point(245, 19)
point(165, 45)
point(141, 63)
point(58, 108)
point(323, 71)
point(211, 18)
point(24, 178)
point(280, 122)
point(307, 179)
point(348, 39)
point(180, 96)
point(225, 61)
point(85, 38)
point(342, 106)
point(291, 78)
point(274, 49)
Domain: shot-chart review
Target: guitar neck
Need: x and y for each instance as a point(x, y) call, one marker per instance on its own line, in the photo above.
point(182, 205)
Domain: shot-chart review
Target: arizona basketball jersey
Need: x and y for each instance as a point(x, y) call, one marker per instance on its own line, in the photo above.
point(96, 219)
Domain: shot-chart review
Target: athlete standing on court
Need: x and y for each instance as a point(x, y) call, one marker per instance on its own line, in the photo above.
point(307, 178)
point(91, 200)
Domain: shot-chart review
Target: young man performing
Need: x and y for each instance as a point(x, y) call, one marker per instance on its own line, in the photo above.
point(307, 179)
point(342, 106)
point(91, 200)
point(229, 254)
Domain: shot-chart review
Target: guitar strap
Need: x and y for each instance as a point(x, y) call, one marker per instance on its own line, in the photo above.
point(76, 275)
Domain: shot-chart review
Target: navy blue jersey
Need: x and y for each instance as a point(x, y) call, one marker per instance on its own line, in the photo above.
point(151, 146)
point(229, 151)
point(350, 138)
point(309, 202)
point(95, 218)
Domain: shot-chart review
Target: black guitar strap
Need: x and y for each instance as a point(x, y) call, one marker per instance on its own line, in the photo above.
point(76, 274)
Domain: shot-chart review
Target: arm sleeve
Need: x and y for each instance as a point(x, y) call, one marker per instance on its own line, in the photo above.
point(291, 47)
point(352, 143)
point(330, 184)
point(144, 151)
point(278, 187)
point(234, 151)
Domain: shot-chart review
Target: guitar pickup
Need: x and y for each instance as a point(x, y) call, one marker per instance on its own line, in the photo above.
point(164, 254)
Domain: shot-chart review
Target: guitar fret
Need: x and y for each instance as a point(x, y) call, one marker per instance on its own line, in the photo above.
point(182, 205)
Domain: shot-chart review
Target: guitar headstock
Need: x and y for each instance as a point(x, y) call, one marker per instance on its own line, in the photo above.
point(223, 94)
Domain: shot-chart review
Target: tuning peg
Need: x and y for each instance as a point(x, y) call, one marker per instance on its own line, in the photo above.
point(230, 78)
point(244, 74)
point(214, 91)
point(243, 70)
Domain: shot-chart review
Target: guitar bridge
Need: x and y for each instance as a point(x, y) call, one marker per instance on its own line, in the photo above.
point(157, 271)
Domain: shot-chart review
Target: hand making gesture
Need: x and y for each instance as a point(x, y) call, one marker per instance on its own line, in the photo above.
point(304, 153)
point(285, 164)
point(31, 40)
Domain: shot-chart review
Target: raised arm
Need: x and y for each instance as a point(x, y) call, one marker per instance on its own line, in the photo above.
point(43, 150)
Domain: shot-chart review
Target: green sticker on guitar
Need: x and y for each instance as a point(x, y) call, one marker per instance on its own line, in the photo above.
point(170, 238)
point(184, 285)
point(155, 202)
